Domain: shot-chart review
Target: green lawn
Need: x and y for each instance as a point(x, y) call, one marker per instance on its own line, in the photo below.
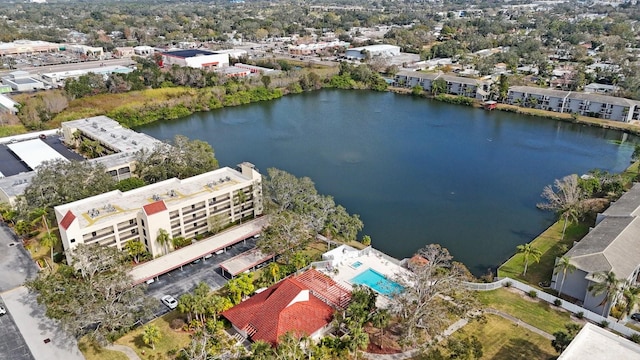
point(92, 351)
point(537, 313)
point(503, 340)
point(551, 246)
point(170, 339)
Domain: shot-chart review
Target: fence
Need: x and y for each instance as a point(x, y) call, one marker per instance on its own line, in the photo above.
point(573, 308)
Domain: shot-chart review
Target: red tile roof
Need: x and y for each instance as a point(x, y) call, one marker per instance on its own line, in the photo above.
point(155, 207)
point(67, 220)
point(325, 288)
point(270, 314)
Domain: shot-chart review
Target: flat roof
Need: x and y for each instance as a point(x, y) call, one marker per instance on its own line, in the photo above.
point(35, 152)
point(595, 343)
point(188, 53)
point(174, 192)
point(110, 133)
point(245, 261)
point(197, 250)
point(23, 81)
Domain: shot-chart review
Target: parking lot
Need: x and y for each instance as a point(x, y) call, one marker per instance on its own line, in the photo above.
point(12, 345)
point(182, 281)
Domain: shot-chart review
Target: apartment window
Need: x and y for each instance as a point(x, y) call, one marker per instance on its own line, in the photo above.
point(142, 221)
point(93, 233)
point(194, 216)
point(195, 224)
point(72, 241)
point(193, 206)
point(133, 231)
point(144, 232)
point(131, 222)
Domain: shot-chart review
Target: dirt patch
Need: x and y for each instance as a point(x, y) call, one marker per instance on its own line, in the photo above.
point(383, 342)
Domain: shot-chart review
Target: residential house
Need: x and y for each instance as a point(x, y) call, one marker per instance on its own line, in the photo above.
point(299, 304)
point(613, 245)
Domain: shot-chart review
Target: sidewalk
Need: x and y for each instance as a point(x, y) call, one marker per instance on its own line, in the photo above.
point(124, 349)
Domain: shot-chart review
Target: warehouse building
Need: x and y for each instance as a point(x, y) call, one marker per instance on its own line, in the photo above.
point(382, 50)
point(195, 58)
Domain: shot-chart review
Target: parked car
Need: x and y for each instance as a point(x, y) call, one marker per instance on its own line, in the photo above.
point(2, 311)
point(169, 301)
point(636, 316)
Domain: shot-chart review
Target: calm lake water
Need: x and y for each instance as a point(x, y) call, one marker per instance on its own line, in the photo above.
point(417, 171)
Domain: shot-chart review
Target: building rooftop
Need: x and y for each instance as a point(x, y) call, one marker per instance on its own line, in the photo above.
point(188, 53)
point(539, 91)
point(110, 133)
point(35, 152)
point(613, 245)
point(627, 205)
point(378, 47)
point(172, 192)
point(603, 99)
point(245, 261)
point(595, 343)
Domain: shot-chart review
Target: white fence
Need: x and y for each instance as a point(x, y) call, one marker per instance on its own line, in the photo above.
point(575, 309)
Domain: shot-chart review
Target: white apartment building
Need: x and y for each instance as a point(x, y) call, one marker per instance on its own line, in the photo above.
point(183, 208)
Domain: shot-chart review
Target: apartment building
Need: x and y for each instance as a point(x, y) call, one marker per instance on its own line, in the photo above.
point(586, 104)
point(185, 208)
point(455, 85)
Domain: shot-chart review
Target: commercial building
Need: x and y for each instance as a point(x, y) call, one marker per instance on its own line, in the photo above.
point(8, 105)
point(58, 78)
point(22, 81)
point(184, 208)
point(92, 51)
point(28, 47)
point(143, 50)
point(382, 50)
point(195, 58)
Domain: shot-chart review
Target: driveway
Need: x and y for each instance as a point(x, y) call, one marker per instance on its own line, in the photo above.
point(43, 336)
point(185, 280)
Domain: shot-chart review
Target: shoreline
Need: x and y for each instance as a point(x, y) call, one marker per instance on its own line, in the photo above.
point(565, 117)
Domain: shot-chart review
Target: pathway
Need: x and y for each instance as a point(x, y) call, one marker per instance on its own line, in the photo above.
point(453, 328)
point(124, 349)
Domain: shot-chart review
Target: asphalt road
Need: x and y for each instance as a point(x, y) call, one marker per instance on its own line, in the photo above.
point(12, 347)
point(185, 280)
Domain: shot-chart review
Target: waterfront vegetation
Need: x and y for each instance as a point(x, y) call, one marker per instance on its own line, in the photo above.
point(535, 312)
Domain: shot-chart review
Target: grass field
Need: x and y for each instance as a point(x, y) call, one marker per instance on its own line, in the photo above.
point(503, 340)
point(551, 246)
point(94, 352)
point(537, 313)
point(170, 339)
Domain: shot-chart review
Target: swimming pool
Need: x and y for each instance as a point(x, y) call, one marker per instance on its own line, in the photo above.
point(356, 264)
point(377, 282)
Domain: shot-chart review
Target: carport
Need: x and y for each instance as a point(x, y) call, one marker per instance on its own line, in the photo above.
point(243, 262)
point(198, 250)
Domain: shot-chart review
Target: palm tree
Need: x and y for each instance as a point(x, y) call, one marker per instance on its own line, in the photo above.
point(438, 86)
point(274, 271)
point(527, 250)
point(358, 339)
point(564, 264)
point(631, 295)
point(380, 319)
point(49, 240)
point(135, 248)
point(608, 284)
point(151, 335)
point(163, 239)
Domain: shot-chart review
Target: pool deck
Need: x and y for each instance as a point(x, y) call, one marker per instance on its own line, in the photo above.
point(370, 260)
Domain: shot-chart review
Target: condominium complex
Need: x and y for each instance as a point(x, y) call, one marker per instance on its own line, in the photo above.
point(184, 208)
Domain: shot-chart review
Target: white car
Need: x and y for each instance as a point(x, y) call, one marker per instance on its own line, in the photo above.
point(169, 301)
point(2, 310)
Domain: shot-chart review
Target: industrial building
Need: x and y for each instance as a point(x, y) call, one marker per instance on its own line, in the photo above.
point(58, 78)
point(381, 50)
point(22, 81)
point(195, 58)
point(184, 208)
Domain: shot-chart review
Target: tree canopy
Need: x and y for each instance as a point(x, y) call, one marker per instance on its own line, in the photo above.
point(181, 158)
point(94, 295)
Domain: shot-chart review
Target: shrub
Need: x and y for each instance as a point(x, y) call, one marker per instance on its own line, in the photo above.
point(557, 302)
point(635, 338)
point(508, 284)
point(177, 323)
point(533, 293)
point(580, 315)
point(604, 324)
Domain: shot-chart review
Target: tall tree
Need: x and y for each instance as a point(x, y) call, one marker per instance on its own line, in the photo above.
point(163, 239)
point(135, 249)
point(564, 265)
point(94, 293)
point(565, 198)
point(528, 252)
point(607, 284)
point(631, 297)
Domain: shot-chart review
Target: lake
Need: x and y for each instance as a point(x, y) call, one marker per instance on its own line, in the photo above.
point(417, 171)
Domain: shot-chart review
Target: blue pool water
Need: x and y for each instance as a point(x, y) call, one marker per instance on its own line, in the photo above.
point(377, 282)
point(356, 264)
